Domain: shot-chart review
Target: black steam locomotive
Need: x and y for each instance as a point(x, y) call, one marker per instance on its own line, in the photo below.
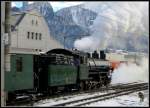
point(57, 69)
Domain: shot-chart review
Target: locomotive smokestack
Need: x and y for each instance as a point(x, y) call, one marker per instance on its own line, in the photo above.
point(102, 55)
point(95, 55)
point(88, 55)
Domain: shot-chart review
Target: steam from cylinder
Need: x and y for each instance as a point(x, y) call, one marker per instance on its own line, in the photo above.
point(128, 73)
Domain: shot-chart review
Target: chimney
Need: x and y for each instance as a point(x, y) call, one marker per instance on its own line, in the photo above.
point(102, 55)
point(88, 55)
point(95, 55)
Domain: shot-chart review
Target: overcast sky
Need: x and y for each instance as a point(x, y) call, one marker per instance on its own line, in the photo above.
point(56, 5)
point(62, 4)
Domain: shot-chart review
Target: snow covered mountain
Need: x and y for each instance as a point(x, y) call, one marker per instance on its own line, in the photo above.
point(96, 25)
point(15, 9)
point(78, 15)
point(61, 26)
point(118, 25)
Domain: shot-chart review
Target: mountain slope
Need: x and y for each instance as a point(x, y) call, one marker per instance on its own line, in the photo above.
point(118, 25)
point(60, 26)
point(78, 15)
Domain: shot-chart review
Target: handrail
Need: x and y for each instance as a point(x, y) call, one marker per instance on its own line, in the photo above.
point(89, 65)
point(94, 62)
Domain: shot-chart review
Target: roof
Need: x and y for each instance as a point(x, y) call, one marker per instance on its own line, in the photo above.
point(80, 53)
point(60, 51)
point(66, 52)
point(16, 19)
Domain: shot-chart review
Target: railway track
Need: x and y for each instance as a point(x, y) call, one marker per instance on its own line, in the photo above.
point(123, 91)
point(30, 102)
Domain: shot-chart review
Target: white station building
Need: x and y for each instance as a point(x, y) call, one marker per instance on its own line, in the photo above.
point(30, 34)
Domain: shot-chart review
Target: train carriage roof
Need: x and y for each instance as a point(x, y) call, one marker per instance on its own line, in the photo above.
point(60, 51)
point(66, 52)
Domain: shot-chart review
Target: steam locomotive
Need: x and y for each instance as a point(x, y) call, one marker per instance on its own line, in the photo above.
point(56, 70)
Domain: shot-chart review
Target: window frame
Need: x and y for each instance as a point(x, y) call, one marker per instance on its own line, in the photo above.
point(32, 35)
point(28, 35)
point(36, 36)
point(40, 36)
point(32, 22)
point(36, 22)
point(19, 64)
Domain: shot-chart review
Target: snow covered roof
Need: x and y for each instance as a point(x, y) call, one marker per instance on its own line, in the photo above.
point(16, 17)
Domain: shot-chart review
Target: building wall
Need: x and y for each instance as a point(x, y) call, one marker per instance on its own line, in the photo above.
point(21, 42)
point(130, 57)
point(114, 57)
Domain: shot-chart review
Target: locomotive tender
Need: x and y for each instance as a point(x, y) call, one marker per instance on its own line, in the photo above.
point(56, 69)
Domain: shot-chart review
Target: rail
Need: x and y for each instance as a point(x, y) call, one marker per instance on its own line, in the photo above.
point(117, 87)
point(122, 91)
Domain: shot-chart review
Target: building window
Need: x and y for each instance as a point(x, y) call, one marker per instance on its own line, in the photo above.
point(36, 22)
point(19, 64)
point(32, 35)
point(40, 36)
point(28, 35)
point(13, 28)
point(36, 36)
point(32, 22)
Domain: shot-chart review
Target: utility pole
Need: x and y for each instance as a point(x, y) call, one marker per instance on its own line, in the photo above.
point(5, 39)
point(2, 52)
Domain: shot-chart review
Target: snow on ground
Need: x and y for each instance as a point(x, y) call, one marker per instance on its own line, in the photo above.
point(126, 100)
point(50, 102)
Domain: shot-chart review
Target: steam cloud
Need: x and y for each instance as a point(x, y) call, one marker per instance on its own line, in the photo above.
point(115, 21)
point(128, 73)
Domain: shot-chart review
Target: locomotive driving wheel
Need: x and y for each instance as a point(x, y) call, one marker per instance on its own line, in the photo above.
point(98, 85)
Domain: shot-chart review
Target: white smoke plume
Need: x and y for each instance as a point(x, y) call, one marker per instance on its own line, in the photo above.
point(115, 21)
point(128, 73)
